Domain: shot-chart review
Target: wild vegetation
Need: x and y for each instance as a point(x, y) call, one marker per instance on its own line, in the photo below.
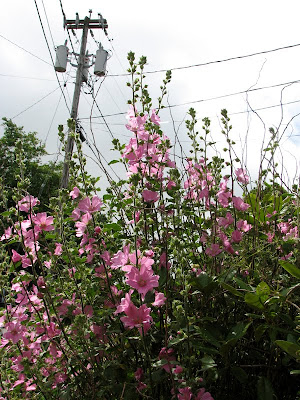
point(178, 283)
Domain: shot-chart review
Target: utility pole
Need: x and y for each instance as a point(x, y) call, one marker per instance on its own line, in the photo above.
point(85, 25)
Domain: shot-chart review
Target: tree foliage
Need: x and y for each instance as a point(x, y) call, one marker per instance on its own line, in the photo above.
point(21, 157)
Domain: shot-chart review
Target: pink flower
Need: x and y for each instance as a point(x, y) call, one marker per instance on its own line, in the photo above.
point(227, 221)
point(185, 393)
point(125, 302)
point(236, 236)
point(121, 258)
point(203, 395)
point(171, 184)
point(239, 204)
point(293, 233)
point(242, 176)
point(214, 250)
point(20, 381)
point(15, 256)
point(203, 238)
point(150, 196)
point(7, 234)
point(26, 262)
point(142, 280)
point(42, 222)
point(86, 205)
point(178, 370)
point(41, 282)
point(88, 310)
point(223, 198)
point(75, 193)
point(155, 118)
point(139, 374)
point(137, 317)
point(75, 214)
point(30, 386)
point(160, 299)
point(58, 249)
point(14, 331)
point(52, 331)
point(27, 203)
point(243, 225)
point(81, 225)
point(168, 356)
point(48, 264)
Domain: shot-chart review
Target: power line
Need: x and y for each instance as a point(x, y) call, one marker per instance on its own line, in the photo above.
point(48, 23)
point(35, 103)
point(28, 77)
point(211, 98)
point(95, 102)
point(239, 112)
point(216, 61)
point(51, 123)
point(233, 94)
point(29, 52)
point(64, 17)
point(265, 108)
point(44, 33)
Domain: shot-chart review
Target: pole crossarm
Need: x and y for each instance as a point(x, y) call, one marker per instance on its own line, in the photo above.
point(93, 24)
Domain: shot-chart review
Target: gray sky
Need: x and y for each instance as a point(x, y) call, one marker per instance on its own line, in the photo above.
point(171, 34)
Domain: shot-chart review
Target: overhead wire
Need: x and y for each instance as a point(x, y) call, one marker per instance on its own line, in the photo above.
point(44, 33)
point(210, 99)
point(52, 120)
point(28, 77)
point(216, 61)
point(98, 108)
point(35, 103)
point(48, 24)
point(29, 52)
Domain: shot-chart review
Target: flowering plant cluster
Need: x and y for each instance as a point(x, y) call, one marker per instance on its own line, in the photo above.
point(180, 283)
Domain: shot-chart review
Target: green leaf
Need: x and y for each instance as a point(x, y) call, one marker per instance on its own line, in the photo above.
point(290, 268)
point(253, 300)
point(264, 389)
point(259, 331)
point(163, 273)
point(263, 292)
point(113, 162)
point(207, 363)
point(6, 213)
point(263, 289)
point(292, 349)
point(231, 289)
point(178, 339)
point(107, 197)
point(49, 236)
point(295, 372)
point(207, 336)
point(242, 284)
point(112, 227)
point(238, 331)
point(239, 374)
point(203, 280)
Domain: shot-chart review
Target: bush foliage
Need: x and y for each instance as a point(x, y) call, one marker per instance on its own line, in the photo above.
point(179, 283)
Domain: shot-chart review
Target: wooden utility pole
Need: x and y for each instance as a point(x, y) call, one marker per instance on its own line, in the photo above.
point(85, 25)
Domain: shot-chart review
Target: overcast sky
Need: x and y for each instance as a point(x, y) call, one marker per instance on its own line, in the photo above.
point(171, 34)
